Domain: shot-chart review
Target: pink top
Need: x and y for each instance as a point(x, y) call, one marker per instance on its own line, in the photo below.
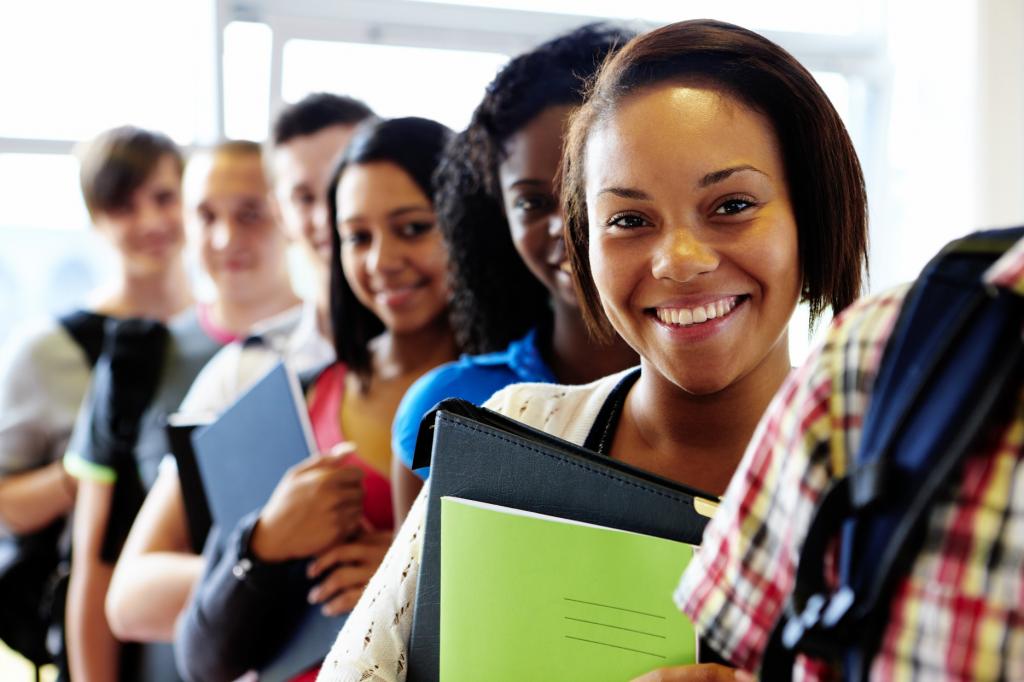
point(325, 416)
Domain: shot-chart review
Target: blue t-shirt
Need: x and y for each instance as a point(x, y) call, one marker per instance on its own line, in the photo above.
point(472, 377)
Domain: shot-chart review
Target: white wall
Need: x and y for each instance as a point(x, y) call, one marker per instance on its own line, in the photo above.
point(1000, 113)
point(954, 144)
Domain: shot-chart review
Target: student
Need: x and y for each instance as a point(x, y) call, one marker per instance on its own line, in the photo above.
point(956, 613)
point(512, 295)
point(389, 312)
point(709, 185)
point(119, 438)
point(158, 568)
point(308, 139)
point(131, 184)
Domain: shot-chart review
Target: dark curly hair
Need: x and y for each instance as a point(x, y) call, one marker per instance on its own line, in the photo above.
point(414, 145)
point(495, 297)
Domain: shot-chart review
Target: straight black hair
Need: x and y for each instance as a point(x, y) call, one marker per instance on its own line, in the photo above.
point(414, 145)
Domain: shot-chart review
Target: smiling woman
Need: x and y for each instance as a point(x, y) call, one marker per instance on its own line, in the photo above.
point(388, 279)
point(708, 186)
point(694, 255)
point(389, 320)
point(389, 247)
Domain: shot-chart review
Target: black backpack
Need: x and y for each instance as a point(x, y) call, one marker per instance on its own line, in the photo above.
point(34, 568)
point(952, 364)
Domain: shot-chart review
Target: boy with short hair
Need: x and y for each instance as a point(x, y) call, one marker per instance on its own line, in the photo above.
point(308, 139)
point(145, 371)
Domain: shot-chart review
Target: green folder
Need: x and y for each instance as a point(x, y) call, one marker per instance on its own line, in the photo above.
point(532, 597)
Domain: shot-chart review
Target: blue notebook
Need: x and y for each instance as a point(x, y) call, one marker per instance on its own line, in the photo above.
point(241, 457)
point(244, 453)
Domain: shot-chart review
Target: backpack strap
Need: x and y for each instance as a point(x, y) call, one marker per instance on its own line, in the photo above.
point(953, 356)
point(86, 328)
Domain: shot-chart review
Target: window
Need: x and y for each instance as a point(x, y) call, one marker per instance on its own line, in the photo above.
point(76, 68)
point(247, 53)
point(805, 16)
point(445, 85)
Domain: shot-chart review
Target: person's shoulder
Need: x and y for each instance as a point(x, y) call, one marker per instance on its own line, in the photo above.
point(192, 342)
point(866, 324)
point(465, 378)
point(532, 401)
point(41, 342)
point(873, 306)
point(458, 379)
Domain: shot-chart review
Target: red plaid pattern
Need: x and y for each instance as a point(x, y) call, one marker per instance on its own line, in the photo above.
point(959, 613)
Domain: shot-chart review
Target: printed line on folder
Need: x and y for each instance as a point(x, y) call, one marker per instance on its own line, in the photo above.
point(606, 625)
point(617, 608)
point(615, 646)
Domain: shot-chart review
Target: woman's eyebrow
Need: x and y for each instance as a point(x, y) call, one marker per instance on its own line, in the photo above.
point(532, 182)
point(626, 193)
point(720, 175)
point(409, 209)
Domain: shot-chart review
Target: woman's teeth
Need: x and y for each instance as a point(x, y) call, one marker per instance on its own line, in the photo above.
point(703, 313)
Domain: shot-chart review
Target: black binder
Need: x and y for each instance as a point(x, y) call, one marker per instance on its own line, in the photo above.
point(481, 455)
point(197, 508)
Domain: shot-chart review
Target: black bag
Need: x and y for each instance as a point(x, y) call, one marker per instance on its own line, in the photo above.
point(34, 568)
point(27, 570)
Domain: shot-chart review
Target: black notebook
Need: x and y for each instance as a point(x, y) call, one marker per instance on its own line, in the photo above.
point(197, 509)
point(477, 454)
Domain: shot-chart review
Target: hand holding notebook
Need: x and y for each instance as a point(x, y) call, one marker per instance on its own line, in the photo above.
point(242, 458)
point(317, 504)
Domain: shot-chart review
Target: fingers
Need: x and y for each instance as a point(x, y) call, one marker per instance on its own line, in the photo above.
point(704, 672)
point(341, 449)
point(347, 521)
point(331, 469)
point(343, 602)
point(333, 463)
point(361, 551)
point(343, 579)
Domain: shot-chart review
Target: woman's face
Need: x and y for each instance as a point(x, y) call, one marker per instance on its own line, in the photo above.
point(392, 254)
point(148, 231)
point(693, 243)
point(531, 205)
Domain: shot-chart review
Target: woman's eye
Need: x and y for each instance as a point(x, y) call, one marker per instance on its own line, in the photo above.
point(356, 238)
point(734, 206)
point(415, 229)
point(533, 203)
point(165, 199)
point(627, 221)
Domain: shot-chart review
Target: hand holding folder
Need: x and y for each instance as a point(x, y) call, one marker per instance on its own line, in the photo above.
point(317, 504)
point(242, 458)
point(479, 455)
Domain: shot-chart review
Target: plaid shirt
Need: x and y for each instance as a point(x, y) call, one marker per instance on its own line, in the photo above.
point(959, 613)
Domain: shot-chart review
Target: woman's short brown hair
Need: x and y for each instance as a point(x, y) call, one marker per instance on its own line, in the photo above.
point(117, 162)
point(826, 185)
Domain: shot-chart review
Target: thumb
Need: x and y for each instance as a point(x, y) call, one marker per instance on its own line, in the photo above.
point(345, 447)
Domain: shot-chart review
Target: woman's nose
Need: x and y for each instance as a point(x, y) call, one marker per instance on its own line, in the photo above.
point(682, 255)
point(384, 256)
